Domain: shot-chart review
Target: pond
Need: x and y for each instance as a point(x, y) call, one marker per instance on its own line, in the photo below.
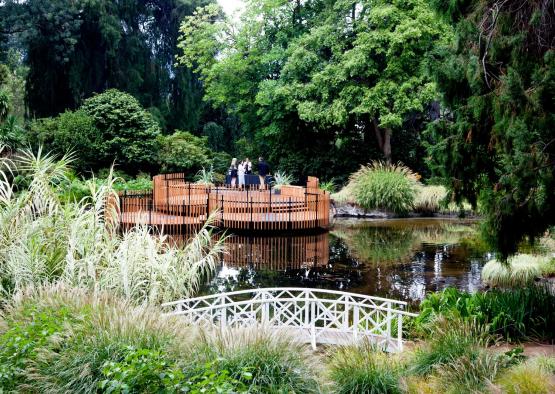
point(396, 258)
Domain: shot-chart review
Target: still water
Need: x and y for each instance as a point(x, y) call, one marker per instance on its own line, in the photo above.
point(397, 258)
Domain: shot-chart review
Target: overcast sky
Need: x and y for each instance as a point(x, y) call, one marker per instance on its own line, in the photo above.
point(230, 6)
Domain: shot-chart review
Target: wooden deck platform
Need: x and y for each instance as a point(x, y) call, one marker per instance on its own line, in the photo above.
point(179, 206)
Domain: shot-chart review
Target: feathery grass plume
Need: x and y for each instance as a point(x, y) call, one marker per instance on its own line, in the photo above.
point(519, 271)
point(391, 187)
point(146, 268)
point(429, 198)
point(536, 375)
point(278, 363)
point(449, 339)
point(345, 195)
point(364, 369)
point(281, 179)
point(43, 240)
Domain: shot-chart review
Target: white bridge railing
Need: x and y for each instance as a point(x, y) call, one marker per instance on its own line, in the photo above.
point(312, 315)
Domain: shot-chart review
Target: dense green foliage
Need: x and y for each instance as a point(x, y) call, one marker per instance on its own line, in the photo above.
point(61, 339)
point(336, 82)
point(74, 49)
point(495, 141)
point(515, 314)
point(126, 132)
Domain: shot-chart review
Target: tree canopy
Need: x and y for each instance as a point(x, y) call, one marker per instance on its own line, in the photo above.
point(318, 76)
point(495, 143)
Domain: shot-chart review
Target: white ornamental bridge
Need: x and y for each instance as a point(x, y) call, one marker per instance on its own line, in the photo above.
point(311, 315)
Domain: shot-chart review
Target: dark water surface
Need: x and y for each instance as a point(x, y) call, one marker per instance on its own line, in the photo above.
point(397, 258)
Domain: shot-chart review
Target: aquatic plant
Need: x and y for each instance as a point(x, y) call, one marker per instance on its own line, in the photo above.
point(514, 314)
point(328, 186)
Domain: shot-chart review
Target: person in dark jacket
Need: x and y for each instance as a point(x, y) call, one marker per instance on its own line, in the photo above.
point(232, 172)
point(263, 170)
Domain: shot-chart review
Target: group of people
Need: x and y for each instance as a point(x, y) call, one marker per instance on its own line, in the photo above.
point(237, 171)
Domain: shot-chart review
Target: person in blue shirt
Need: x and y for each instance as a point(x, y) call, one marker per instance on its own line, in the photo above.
point(263, 170)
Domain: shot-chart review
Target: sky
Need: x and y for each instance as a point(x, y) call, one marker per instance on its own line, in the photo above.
point(230, 6)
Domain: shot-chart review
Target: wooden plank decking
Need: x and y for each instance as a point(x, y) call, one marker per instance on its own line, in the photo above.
point(185, 206)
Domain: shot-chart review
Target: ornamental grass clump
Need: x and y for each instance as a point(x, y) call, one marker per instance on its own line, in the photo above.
point(277, 363)
point(364, 369)
point(389, 187)
point(429, 198)
point(519, 271)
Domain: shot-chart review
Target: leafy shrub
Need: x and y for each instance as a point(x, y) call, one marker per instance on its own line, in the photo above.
point(145, 370)
point(127, 132)
point(514, 314)
point(388, 187)
point(364, 369)
point(182, 152)
point(71, 132)
point(429, 198)
point(26, 334)
point(205, 176)
point(520, 270)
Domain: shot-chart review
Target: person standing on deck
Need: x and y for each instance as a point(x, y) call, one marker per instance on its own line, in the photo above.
point(248, 166)
point(241, 169)
point(233, 172)
point(263, 170)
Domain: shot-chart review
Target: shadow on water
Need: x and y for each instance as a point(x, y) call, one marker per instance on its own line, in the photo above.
point(399, 258)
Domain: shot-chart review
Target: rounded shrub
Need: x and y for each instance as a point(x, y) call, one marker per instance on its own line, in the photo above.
point(388, 187)
point(429, 198)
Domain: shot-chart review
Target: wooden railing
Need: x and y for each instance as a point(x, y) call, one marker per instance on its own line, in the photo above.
point(182, 207)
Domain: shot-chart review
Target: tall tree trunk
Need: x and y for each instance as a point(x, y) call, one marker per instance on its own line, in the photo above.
point(383, 137)
point(387, 145)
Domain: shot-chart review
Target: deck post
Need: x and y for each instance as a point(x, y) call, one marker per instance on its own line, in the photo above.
point(290, 224)
point(251, 224)
point(317, 207)
point(222, 208)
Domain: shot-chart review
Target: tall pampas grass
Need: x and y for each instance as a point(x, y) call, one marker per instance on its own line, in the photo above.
point(43, 240)
point(519, 271)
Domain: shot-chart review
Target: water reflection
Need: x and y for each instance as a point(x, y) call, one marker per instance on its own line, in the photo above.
point(401, 259)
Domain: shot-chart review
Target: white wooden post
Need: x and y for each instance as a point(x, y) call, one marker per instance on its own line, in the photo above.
point(399, 332)
point(355, 323)
point(306, 309)
point(265, 310)
point(389, 317)
point(223, 318)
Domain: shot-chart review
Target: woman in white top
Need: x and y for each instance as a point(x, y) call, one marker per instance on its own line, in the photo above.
point(241, 169)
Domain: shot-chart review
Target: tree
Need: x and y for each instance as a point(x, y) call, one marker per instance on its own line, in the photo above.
point(495, 143)
point(183, 152)
point(127, 132)
point(77, 48)
point(333, 81)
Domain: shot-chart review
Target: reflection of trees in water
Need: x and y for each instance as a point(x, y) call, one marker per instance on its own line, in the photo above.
point(390, 244)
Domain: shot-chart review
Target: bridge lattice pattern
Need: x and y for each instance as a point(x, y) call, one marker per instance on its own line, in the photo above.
point(312, 315)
